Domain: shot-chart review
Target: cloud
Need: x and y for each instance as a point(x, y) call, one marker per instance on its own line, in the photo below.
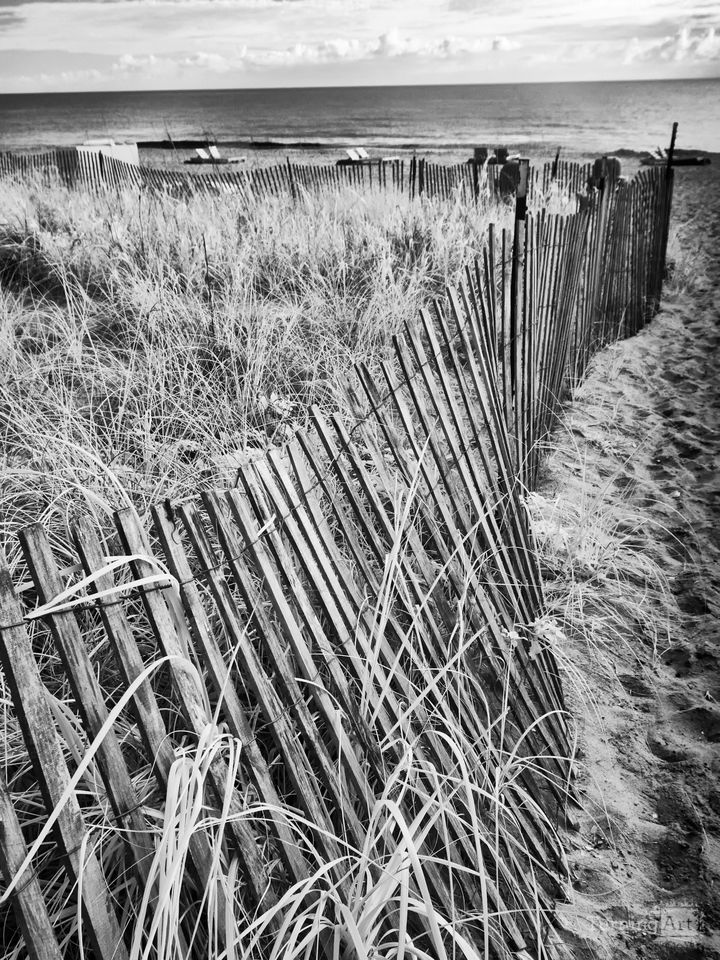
point(390, 45)
point(687, 46)
point(393, 44)
point(64, 78)
point(503, 44)
point(131, 69)
point(486, 7)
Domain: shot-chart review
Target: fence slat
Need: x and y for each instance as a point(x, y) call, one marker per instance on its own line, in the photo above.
point(277, 713)
point(89, 701)
point(170, 631)
point(304, 663)
point(315, 562)
point(221, 676)
point(129, 659)
point(33, 713)
point(30, 909)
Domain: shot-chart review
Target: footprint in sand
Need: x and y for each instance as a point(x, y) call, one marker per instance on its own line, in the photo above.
point(660, 472)
point(708, 478)
point(687, 451)
point(693, 603)
point(698, 719)
point(662, 748)
point(625, 483)
point(679, 659)
point(708, 661)
point(674, 377)
point(640, 413)
point(635, 685)
point(705, 721)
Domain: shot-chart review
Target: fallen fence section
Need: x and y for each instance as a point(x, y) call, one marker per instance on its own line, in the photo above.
point(345, 655)
point(360, 594)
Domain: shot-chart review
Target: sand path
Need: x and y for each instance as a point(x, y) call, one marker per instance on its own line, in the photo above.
point(629, 521)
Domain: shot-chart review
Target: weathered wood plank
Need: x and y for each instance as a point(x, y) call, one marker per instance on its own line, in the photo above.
point(499, 573)
point(170, 630)
point(304, 663)
point(131, 664)
point(224, 684)
point(434, 747)
point(89, 701)
point(277, 713)
point(38, 727)
point(524, 602)
point(452, 552)
point(314, 557)
point(30, 909)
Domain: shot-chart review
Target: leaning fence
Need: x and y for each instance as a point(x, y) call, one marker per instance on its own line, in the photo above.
point(345, 659)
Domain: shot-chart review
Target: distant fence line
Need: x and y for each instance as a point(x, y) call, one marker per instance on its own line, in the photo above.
point(270, 594)
point(415, 176)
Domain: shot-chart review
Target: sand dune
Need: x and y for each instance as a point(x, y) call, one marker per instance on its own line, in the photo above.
point(628, 518)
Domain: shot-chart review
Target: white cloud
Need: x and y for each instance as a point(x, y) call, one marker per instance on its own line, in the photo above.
point(151, 66)
point(387, 46)
point(393, 44)
point(687, 46)
point(504, 44)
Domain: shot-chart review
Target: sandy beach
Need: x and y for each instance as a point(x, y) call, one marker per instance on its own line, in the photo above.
point(627, 518)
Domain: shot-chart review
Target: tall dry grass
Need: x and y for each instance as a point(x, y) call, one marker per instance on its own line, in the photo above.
point(146, 342)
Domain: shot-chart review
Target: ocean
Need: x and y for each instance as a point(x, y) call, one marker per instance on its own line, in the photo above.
point(582, 118)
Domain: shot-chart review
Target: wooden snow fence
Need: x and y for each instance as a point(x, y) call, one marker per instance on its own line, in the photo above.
point(417, 177)
point(60, 163)
point(365, 587)
point(558, 288)
point(370, 585)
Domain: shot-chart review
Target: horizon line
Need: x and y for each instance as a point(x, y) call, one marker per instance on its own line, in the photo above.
point(361, 86)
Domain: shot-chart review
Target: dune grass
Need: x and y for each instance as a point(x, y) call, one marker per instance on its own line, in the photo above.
point(147, 343)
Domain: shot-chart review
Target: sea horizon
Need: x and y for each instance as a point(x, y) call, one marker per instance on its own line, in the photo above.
point(366, 86)
point(585, 116)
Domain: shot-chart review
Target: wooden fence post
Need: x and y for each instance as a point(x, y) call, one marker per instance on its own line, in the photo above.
point(516, 303)
point(666, 208)
point(555, 163)
point(291, 176)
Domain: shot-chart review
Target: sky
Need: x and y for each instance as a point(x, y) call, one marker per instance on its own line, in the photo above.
point(61, 45)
